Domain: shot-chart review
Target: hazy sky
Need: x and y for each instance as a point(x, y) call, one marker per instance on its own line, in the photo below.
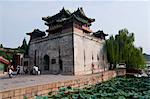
point(20, 17)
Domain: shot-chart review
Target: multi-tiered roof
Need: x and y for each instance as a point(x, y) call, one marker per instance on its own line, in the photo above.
point(65, 16)
point(64, 20)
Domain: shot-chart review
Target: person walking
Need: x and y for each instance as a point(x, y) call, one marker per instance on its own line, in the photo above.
point(18, 70)
point(35, 70)
point(10, 73)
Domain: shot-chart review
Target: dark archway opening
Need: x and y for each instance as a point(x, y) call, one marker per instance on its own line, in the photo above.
point(46, 62)
point(60, 65)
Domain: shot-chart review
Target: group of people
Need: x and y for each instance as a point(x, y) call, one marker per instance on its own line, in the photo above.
point(12, 72)
point(35, 70)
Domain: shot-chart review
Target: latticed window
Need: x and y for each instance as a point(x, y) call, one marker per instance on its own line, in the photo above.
point(53, 61)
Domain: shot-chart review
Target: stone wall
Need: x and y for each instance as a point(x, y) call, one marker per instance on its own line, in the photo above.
point(88, 50)
point(40, 90)
point(69, 51)
point(56, 47)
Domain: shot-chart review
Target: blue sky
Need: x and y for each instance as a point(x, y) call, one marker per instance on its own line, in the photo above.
point(20, 17)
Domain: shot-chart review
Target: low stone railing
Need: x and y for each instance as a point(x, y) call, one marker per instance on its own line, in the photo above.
point(40, 90)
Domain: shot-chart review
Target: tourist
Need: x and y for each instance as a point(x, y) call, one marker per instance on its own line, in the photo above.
point(12, 67)
point(26, 71)
point(10, 72)
point(35, 70)
point(18, 69)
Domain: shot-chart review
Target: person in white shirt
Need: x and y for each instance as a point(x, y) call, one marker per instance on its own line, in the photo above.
point(35, 70)
point(10, 73)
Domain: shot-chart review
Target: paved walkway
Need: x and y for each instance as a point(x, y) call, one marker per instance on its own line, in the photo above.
point(20, 81)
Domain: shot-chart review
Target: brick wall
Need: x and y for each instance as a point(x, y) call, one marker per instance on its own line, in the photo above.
point(39, 90)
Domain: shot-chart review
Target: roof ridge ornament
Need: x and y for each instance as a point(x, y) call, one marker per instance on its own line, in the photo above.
point(81, 10)
point(63, 9)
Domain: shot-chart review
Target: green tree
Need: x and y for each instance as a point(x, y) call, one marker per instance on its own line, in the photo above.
point(7, 56)
point(24, 46)
point(121, 49)
point(1, 45)
point(110, 52)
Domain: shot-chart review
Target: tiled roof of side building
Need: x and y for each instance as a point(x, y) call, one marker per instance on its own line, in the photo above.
point(147, 57)
point(11, 50)
point(100, 34)
point(3, 60)
point(36, 32)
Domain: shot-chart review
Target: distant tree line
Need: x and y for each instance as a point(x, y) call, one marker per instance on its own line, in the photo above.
point(121, 49)
point(3, 53)
point(22, 49)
